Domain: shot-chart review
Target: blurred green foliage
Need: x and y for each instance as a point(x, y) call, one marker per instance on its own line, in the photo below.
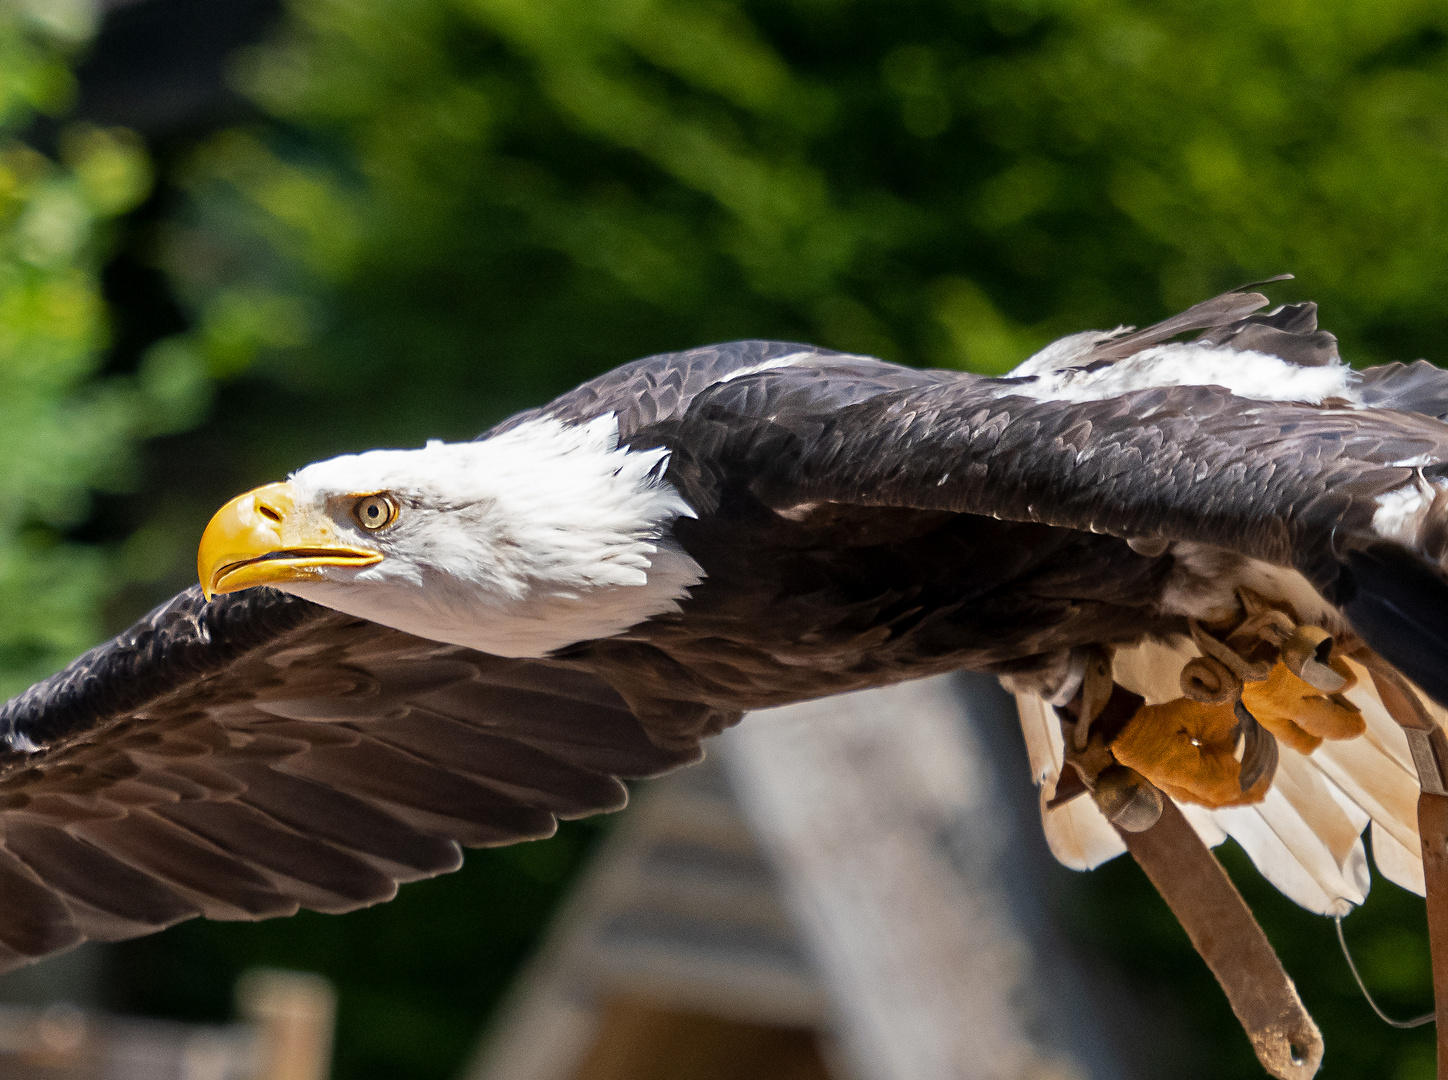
point(454, 208)
point(66, 432)
point(465, 201)
point(449, 209)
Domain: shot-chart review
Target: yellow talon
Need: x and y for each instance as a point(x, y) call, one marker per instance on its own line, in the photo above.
point(1300, 714)
point(1188, 749)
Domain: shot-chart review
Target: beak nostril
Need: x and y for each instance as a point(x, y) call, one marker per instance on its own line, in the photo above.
point(267, 512)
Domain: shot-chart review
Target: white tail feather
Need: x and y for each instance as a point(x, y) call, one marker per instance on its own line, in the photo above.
point(1397, 863)
point(1202, 820)
point(1336, 821)
point(1302, 839)
point(1044, 746)
point(1376, 772)
point(1383, 732)
point(1386, 791)
point(1077, 833)
point(1279, 843)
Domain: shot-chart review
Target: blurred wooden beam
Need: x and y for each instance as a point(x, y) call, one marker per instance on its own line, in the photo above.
point(898, 854)
point(294, 1014)
point(640, 1039)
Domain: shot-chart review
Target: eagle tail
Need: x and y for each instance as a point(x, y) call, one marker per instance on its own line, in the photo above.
point(1077, 833)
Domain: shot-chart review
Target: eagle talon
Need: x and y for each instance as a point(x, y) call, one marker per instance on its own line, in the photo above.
point(1244, 697)
point(1259, 750)
point(1307, 653)
point(1096, 687)
point(1245, 669)
point(1301, 714)
point(1189, 750)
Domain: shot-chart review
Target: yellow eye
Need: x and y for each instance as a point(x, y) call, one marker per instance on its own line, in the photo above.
point(374, 512)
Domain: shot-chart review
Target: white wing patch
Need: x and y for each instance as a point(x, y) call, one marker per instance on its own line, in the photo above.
point(1401, 513)
point(1255, 375)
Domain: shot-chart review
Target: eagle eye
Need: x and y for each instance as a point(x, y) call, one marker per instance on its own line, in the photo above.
point(374, 512)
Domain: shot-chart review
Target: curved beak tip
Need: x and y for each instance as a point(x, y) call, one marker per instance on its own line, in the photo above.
point(239, 533)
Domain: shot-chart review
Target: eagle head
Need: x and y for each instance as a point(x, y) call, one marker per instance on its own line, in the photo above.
point(541, 536)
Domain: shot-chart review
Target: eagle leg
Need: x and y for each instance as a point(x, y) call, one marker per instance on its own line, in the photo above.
point(1130, 755)
point(1128, 799)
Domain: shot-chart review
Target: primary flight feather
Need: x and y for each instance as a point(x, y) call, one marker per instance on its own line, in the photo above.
point(398, 652)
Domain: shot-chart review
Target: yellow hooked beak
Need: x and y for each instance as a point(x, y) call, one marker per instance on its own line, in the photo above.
point(263, 538)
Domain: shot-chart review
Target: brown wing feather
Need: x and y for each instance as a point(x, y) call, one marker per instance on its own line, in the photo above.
point(1220, 311)
point(320, 761)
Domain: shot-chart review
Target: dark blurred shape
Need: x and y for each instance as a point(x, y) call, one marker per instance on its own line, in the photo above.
point(159, 66)
point(642, 1041)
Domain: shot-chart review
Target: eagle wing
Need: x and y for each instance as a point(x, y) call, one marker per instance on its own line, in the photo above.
point(244, 758)
point(1347, 489)
point(1351, 494)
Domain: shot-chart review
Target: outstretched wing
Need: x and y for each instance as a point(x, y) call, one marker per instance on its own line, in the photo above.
point(244, 758)
point(1280, 454)
point(1347, 492)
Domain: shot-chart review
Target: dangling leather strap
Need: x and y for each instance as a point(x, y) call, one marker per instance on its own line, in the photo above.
point(1223, 931)
point(1433, 829)
point(1429, 747)
point(1426, 741)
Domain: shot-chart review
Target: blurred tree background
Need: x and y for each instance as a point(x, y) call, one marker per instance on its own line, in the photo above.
point(407, 218)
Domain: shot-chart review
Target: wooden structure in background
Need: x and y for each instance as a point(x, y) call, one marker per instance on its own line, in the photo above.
point(841, 892)
point(641, 1039)
point(288, 1036)
point(676, 938)
point(292, 1015)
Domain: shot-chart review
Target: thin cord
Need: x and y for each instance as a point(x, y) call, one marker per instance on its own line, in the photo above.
point(1418, 1021)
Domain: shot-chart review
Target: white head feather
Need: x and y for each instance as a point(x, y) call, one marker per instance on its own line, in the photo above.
point(515, 545)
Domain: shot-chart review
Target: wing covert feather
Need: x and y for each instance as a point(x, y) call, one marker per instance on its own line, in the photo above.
point(1291, 484)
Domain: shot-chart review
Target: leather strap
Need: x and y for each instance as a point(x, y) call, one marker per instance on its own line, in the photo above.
point(1433, 828)
point(1426, 741)
point(1224, 933)
point(1429, 747)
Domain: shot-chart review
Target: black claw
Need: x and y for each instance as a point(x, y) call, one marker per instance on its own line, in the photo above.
point(1259, 752)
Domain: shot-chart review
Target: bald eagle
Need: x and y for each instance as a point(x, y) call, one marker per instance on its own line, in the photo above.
point(1195, 562)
